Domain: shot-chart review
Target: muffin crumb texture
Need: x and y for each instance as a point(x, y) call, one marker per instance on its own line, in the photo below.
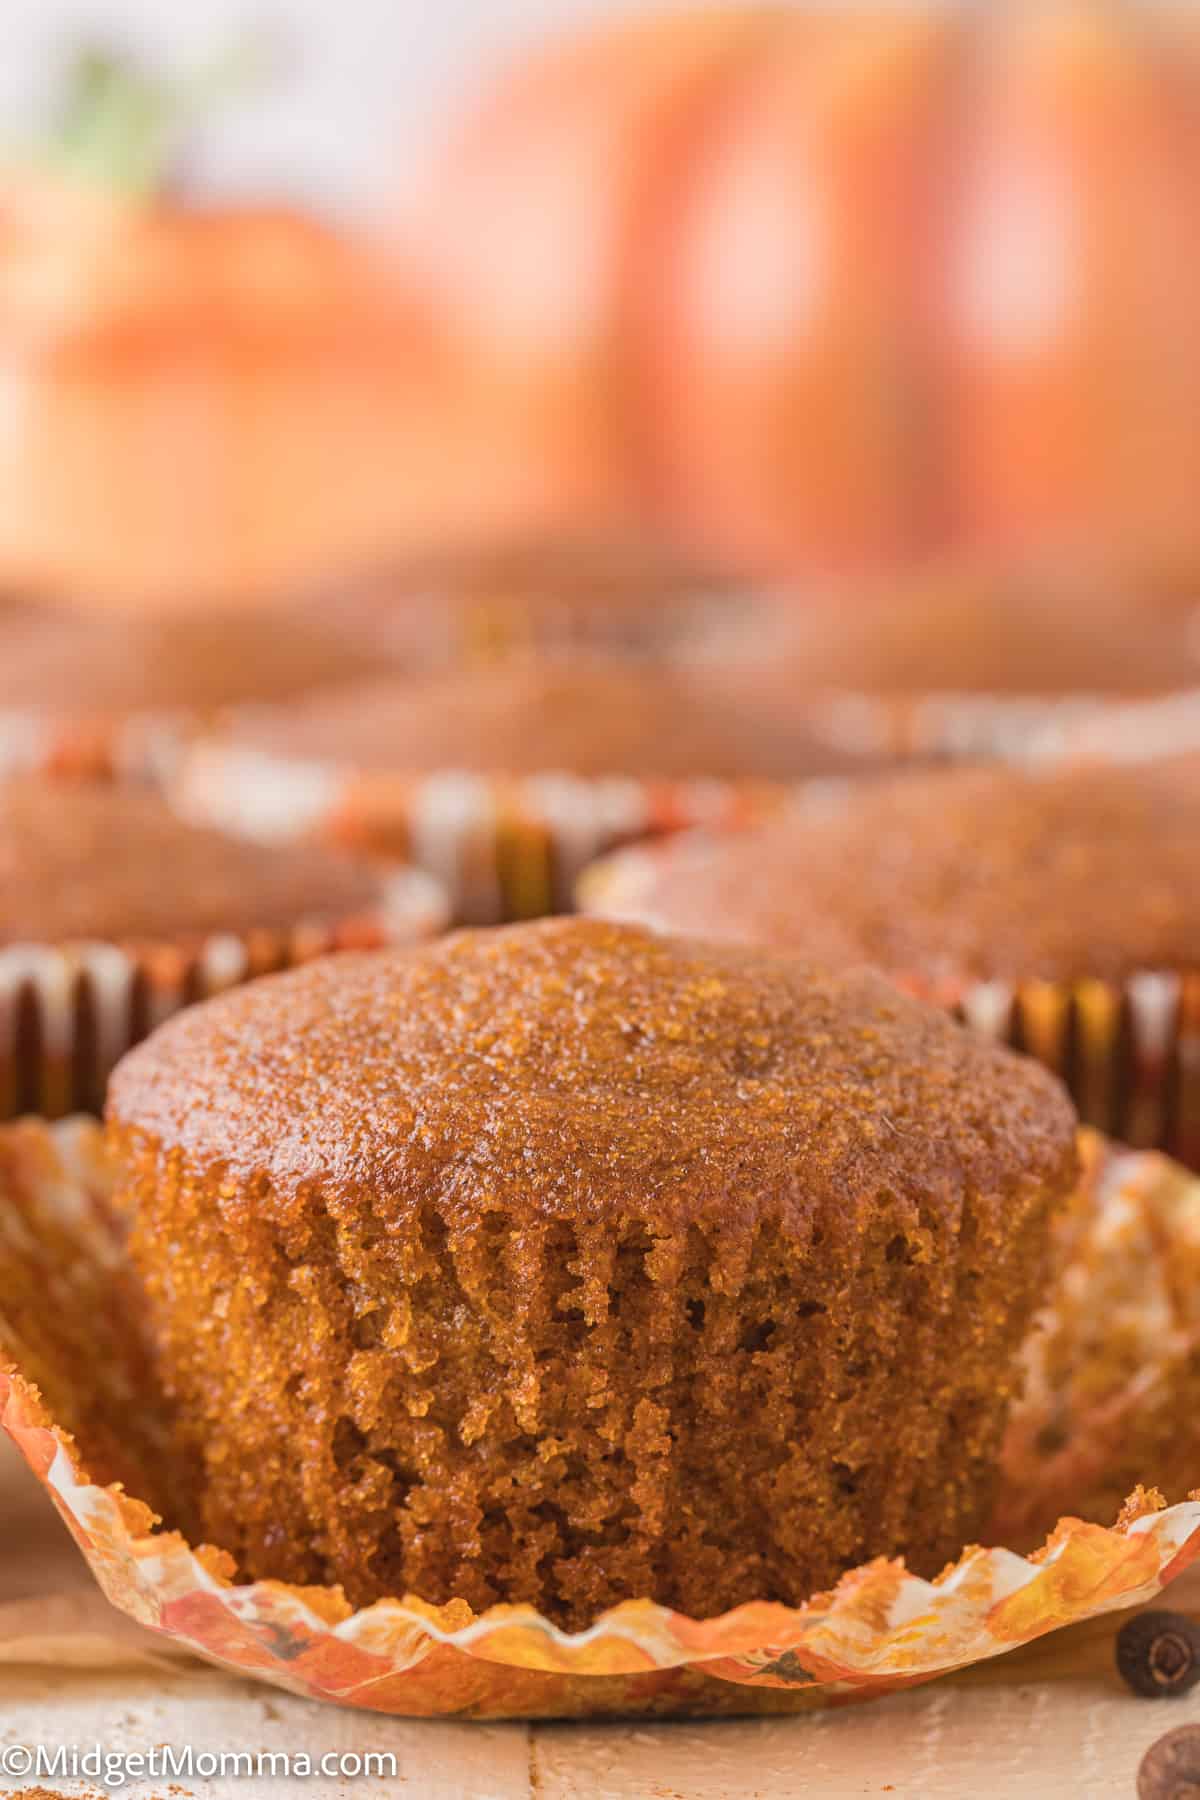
point(567, 1264)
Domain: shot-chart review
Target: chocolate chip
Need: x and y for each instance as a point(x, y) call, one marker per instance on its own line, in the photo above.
point(1170, 1769)
point(1158, 1653)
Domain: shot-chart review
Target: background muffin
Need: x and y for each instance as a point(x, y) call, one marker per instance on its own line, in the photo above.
point(568, 1263)
point(566, 598)
point(1056, 906)
point(504, 780)
point(956, 666)
point(964, 636)
point(93, 693)
point(113, 913)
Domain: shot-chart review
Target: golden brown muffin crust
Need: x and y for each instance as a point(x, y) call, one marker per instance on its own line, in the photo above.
point(557, 1069)
point(526, 718)
point(960, 638)
point(968, 874)
point(83, 861)
point(91, 665)
point(566, 1264)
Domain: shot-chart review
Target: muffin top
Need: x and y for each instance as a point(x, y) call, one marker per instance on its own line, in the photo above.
point(93, 664)
point(959, 638)
point(563, 598)
point(588, 718)
point(577, 1068)
point(989, 873)
point(84, 861)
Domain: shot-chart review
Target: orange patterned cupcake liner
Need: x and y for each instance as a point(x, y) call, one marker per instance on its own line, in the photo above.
point(503, 847)
point(139, 746)
point(76, 1395)
point(68, 1012)
point(1128, 1050)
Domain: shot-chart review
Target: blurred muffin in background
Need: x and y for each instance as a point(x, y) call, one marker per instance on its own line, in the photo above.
point(1055, 908)
point(505, 779)
point(960, 667)
point(94, 693)
point(557, 598)
point(114, 912)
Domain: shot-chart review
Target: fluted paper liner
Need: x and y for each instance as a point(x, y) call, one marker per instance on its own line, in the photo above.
point(1128, 1050)
point(1134, 731)
point(1111, 1367)
point(503, 847)
point(69, 1011)
point(99, 746)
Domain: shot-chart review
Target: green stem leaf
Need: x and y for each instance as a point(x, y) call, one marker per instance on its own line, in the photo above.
point(123, 128)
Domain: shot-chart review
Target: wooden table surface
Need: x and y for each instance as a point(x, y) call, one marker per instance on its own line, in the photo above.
point(1049, 1721)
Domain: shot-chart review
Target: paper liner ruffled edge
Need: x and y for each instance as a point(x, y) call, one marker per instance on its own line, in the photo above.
point(964, 726)
point(502, 847)
point(880, 1629)
point(135, 745)
point(1125, 731)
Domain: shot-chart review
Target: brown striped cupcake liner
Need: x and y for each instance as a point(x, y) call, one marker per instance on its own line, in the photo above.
point(502, 847)
point(1129, 1051)
point(69, 1012)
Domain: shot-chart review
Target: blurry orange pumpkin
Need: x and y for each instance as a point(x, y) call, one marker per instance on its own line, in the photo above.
point(814, 288)
point(229, 403)
point(532, 242)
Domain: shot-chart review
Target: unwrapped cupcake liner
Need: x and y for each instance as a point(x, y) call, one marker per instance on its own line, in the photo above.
point(68, 1012)
point(77, 1396)
point(1128, 1050)
point(502, 847)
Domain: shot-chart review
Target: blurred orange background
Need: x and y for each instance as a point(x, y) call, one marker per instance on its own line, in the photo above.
point(774, 292)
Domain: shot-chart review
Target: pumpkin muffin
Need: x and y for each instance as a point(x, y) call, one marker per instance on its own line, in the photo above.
point(968, 638)
point(559, 598)
point(1055, 906)
point(957, 668)
point(113, 912)
point(90, 691)
point(953, 876)
point(590, 717)
point(569, 1263)
point(505, 779)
